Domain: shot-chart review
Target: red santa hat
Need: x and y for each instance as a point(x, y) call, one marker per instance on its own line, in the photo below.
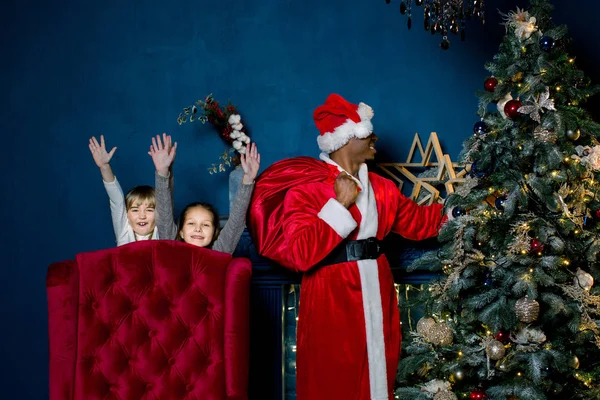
point(339, 121)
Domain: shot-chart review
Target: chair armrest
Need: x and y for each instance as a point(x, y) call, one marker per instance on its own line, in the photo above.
point(237, 328)
point(62, 289)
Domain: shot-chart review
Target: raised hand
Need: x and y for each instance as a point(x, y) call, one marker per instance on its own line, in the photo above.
point(346, 189)
point(101, 157)
point(163, 153)
point(250, 163)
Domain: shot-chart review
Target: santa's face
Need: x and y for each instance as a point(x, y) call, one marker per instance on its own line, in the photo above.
point(363, 149)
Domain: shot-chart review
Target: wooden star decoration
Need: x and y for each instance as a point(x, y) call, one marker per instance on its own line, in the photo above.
point(419, 173)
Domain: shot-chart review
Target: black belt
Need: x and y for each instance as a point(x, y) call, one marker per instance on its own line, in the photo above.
point(354, 250)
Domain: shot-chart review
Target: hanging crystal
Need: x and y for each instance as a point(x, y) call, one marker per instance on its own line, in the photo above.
point(445, 44)
point(445, 16)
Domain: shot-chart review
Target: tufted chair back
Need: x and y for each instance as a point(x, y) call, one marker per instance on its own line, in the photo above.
point(149, 320)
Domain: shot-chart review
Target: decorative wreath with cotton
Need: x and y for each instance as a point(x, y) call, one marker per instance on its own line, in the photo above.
point(228, 123)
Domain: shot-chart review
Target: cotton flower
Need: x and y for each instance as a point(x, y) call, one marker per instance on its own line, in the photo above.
point(234, 119)
point(237, 127)
point(235, 134)
point(237, 145)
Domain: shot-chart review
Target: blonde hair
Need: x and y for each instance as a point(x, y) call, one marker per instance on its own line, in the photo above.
point(140, 194)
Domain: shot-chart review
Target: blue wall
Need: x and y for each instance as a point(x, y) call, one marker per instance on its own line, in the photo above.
point(72, 70)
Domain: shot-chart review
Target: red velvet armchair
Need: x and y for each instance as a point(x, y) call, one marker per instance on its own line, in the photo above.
point(149, 320)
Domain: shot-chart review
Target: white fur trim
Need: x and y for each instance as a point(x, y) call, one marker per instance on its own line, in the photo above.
point(373, 311)
point(371, 291)
point(331, 141)
point(370, 288)
point(338, 217)
point(367, 205)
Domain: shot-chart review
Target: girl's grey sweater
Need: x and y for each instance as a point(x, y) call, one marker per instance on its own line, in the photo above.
point(230, 234)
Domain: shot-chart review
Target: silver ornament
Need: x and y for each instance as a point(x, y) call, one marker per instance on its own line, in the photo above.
point(444, 395)
point(527, 310)
point(495, 350)
point(440, 335)
point(424, 326)
point(583, 279)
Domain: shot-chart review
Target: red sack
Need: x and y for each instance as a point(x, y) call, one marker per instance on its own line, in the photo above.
point(265, 221)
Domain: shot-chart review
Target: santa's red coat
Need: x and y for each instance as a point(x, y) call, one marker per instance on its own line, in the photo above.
point(348, 337)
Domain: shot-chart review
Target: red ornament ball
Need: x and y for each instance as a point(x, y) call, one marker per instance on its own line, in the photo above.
point(477, 395)
point(490, 84)
point(597, 214)
point(511, 108)
point(536, 246)
point(502, 337)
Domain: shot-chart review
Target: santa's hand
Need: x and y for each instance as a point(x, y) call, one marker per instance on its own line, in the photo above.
point(346, 189)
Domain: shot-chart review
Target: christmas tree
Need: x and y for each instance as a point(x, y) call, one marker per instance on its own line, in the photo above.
point(515, 314)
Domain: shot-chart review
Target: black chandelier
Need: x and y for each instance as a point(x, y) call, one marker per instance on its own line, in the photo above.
point(444, 16)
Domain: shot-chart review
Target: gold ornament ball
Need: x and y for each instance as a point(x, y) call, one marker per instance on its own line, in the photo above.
point(495, 350)
point(573, 134)
point(444, 395)
point(424, 326)
point(574, 362)
point(527, 310)
point(440, 335)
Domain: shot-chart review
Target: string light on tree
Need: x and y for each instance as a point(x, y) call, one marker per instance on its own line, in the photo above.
point(477, 394)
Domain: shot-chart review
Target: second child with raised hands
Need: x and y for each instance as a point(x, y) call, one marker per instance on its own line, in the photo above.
point(132, 214)
point(198, 223)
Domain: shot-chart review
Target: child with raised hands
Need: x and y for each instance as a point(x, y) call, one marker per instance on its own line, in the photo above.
point(133, 215)
point(199, 222)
